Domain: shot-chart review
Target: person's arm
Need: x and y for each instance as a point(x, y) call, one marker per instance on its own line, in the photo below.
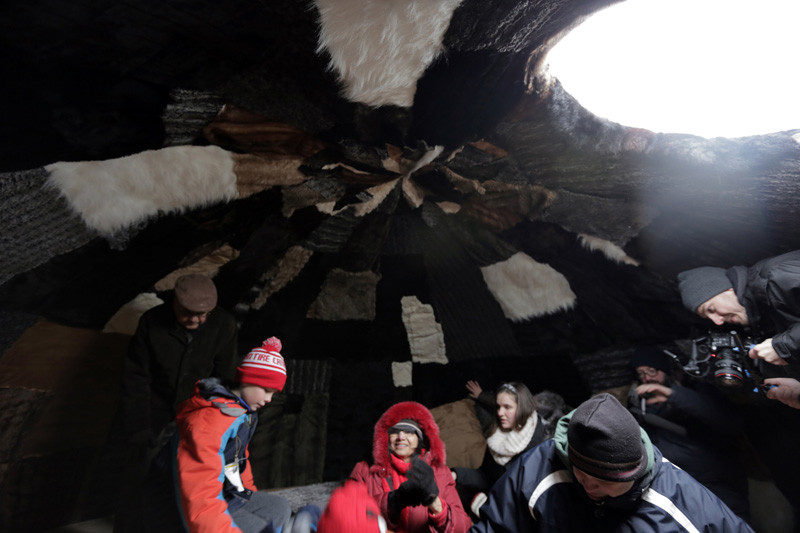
point(765, 350)
point(785, 390)
point(446, 514)
point(225, 359)
point(247, 475)
point(136, 386)
point(705, 409)
point(783, 299)
point(361, 473)
point(506, 509)
point(199, 478)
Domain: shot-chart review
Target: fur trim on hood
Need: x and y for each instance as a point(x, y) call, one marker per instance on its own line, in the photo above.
point(397, 412)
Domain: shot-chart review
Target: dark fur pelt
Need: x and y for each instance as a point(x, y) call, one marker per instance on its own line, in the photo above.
point(397, 412)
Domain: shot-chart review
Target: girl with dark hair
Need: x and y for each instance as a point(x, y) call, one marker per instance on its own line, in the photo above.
point(520, 422)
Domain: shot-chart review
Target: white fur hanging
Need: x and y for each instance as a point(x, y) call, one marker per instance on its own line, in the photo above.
point(380, 48)
point(114, 194)
point(607, 248)
point(526, 289)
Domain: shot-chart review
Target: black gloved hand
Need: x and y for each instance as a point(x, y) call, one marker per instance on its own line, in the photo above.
point(421, 474)
point(408, 494)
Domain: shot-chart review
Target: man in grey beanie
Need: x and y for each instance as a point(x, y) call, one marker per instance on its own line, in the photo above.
point(600, 472)
point(765, 296)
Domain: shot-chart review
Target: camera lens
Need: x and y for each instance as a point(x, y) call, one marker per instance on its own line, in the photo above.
point(727, 370)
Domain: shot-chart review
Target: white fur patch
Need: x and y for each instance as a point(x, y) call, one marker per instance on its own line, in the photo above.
point(117, 193)
point(425, 335)
point(526, 289)
point(607, 248)
point(127, 318)
point(380, 48)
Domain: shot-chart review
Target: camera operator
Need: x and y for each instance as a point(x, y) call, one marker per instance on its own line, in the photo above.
point(765, 296)
point(693, 426)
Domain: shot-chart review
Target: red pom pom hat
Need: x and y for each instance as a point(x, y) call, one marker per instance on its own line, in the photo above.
point(264, 366)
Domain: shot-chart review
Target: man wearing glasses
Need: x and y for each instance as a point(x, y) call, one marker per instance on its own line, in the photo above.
point(694, 427)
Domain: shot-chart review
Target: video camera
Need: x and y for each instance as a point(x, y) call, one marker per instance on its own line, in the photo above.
point(721, 357)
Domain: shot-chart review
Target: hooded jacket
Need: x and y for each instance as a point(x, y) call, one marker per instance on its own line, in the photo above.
point(770, 293)
point(379, 474)
point(214, 429)
point(539, 493)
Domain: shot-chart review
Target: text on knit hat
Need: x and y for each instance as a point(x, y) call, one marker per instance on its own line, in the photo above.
point(264, 366)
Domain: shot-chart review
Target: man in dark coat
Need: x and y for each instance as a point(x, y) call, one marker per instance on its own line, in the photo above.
point(765, 296)
point(601, 473)
point(694, 426)
point(176, 344)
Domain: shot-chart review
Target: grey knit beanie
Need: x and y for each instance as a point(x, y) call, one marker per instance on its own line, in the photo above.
point(604, 440)
point(700, 284)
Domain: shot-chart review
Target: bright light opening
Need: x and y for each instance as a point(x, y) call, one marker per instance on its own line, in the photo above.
point(713, 68)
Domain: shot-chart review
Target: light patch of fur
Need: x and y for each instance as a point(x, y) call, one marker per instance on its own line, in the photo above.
point(796, 138)
point(208, 265)
point(450, 208)
point(326, 207)
point(381, 48)
point(412, 192)
point(379, 194)
point(425, 335)
point(126, 319)
point(114, 194)
point(285, 271)
point(526, 289)
point(402, 373)
point(607, 248)
point(255, 174)
point(346, 296)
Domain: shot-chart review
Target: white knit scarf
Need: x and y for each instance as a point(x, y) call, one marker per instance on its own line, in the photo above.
point(505, 445)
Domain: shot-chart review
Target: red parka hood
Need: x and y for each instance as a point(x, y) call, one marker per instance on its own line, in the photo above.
point(415, 411)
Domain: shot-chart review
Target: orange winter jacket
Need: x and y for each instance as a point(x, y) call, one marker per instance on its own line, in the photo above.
point(214, 428)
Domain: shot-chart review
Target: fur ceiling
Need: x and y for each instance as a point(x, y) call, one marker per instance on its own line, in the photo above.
point(397, 189)
point(356, 147)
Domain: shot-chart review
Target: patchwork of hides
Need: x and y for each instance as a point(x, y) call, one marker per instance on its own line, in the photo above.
point(526, 289)
point(38, 223)
point(461, 433)
point(208, 265)
point(425, 335)
point(380, 49)
point(285, 271)
point(346, 296)
point(114, 194)
point(402, 373)
point(255, 174)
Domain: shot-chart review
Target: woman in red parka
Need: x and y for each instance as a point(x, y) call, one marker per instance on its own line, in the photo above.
point(409, 478)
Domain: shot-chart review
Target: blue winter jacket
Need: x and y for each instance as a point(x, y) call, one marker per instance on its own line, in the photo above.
point(539, 494)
